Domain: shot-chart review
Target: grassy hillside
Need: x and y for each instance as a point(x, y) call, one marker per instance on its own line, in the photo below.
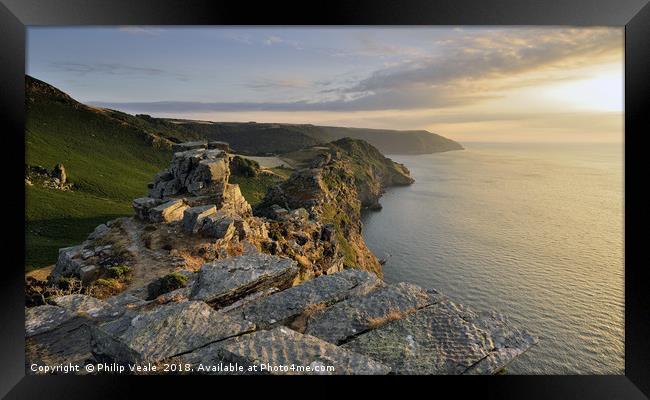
point(108, 160)
point(390, 141)
point(253, 138)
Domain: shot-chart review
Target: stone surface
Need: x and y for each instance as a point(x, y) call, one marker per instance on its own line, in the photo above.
point(281, 307)
point(188, 146)
point(166, 331)
point(68, 263)
point(197, 172)
point(223, 282)
point(143, 205)
point(168, 212)
point(90, 307)
point(218, 226)
point(193, 217)
point(234, 202)
point(69, 343)
point(98, 232)
point(89, 273)
point(359, 314)
point(59, 173)
point(215, 144)
point(439, 339)
point(45, 318)
point(282, 351)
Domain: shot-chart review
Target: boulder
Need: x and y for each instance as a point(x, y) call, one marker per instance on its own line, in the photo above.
point(218, 226)
point(283, 307)
point(197, 171)
point(98, 232)
point(166, 331)
point(234, 202)
point(359, 314)
point(69, 344)
point(44, 318)
point(223, 282)
point(69, 263)
point(440, 339)
point(210, 176)
point(142, 205)
point(87, 306)
point(59, 174)
point(193, 217)
point(89, 273)
point(282, 351)
point(168, 212)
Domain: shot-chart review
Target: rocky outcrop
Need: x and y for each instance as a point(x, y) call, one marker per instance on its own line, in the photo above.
point(282, 351)
point(286, 306)
point(165, 331)
point(344, 323)
point(329, 195)
point(290, 290)
point(359, 314)
point(224, 282)
point(444, 338)
point(54, 179)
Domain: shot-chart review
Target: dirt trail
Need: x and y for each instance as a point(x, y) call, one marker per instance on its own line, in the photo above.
point(148, 264)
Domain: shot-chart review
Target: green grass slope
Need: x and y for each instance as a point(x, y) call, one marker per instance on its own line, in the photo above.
point(108, 160)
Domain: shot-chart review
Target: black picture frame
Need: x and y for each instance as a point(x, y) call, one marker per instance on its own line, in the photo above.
point(634, 15)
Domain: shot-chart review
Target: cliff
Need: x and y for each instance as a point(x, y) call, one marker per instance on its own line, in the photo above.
point(198, 278)
point(277, 138)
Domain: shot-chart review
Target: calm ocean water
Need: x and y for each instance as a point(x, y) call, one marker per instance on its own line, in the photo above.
point(534, 231)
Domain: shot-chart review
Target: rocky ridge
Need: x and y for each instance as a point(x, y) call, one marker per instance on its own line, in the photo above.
point(288, 287)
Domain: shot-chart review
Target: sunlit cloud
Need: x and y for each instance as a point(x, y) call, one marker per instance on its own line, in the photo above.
point(462, 82)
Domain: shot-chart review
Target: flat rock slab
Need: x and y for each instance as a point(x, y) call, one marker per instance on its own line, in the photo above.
point(45, 318)
point(283, 351)
point(221, 283)
point(90, 307)
point(441, 339)
point(165, 331)
point(283, 306)
point(168, 212)
point(67, 344)
point(359, 314)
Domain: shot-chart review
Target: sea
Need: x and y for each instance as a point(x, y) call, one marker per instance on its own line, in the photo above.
point(534, 231)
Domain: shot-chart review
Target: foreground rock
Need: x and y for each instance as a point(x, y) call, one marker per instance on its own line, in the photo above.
point(359, 314)
point(284, 307)
point(443, 339)
point(224, 282)
point(166, 331)
point(282, 351)
point(195, 278)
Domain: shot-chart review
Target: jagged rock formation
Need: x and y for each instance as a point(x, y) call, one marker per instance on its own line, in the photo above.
point(345, 323)
point(55, 179)
point(341, 179)
point(198, 280)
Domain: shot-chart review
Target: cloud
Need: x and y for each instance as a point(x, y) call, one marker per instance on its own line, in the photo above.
point(467, 68)
point(114, 69)
point(479, 57)
point(272, 84)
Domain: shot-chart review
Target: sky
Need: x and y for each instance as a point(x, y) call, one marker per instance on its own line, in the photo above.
point(515, 84)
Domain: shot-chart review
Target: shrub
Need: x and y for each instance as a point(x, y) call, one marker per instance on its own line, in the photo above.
point(119, 271)
point(166, 284)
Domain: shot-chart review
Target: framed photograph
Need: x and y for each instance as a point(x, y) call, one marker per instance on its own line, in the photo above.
point(355, 188)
